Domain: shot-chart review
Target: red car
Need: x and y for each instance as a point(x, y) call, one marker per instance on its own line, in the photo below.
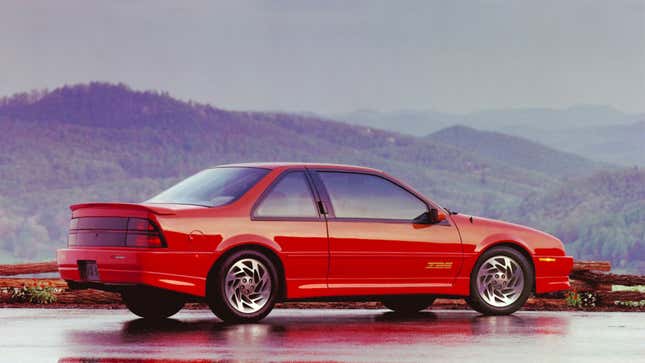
point(245, 236)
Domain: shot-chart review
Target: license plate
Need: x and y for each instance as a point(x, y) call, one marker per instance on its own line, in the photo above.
point(88, 270)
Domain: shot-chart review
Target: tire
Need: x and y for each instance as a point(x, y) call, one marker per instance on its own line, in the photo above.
point(408, 304)
point(500, 282)
point(152, 303)
point(244, 287)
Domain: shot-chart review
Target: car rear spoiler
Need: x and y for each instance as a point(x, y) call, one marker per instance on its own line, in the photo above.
point(132, 206)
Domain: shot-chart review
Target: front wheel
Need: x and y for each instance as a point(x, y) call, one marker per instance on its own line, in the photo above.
point(408, 304)
point(152, 303)
point(501, 282)
point(244, 288)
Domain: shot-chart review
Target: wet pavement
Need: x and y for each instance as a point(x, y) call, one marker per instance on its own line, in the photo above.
point(51, 335)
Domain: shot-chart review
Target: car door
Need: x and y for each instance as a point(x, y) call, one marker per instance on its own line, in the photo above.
point(288, 212)
point(375, 245)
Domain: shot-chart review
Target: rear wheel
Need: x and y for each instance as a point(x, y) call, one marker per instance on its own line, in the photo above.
point(501, 282)
point(244, 287)
point(408, 304)
point(152, 303)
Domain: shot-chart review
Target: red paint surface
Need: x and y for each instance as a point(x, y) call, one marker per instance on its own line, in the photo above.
point(319, 258)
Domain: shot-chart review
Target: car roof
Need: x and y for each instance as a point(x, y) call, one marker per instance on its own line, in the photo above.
point(289, 165)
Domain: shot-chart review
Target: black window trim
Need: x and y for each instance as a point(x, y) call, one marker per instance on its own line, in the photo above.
point(326, 199)
point(267, 191)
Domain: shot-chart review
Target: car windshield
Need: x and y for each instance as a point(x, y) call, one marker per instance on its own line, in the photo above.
point(212, 187)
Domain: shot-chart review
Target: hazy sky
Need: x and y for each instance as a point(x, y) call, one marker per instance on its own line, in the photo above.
point(334, 56)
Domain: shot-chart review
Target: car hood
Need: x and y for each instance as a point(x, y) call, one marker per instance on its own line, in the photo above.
point(498, 224)
point(479, 231)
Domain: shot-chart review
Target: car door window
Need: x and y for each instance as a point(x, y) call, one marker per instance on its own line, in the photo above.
point(289, 197)
point(355, 195)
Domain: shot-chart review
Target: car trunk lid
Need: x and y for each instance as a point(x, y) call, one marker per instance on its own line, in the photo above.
point(116, 225)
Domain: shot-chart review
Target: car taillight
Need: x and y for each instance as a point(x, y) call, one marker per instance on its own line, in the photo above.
point(142, 233)
point(144, 240)
point(140, 225)
point(114, 232)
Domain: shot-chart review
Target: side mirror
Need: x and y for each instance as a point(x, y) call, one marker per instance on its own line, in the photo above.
point(436, 216)
point(433, 216)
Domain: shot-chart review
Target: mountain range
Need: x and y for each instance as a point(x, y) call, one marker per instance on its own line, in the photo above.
point(107, 142)
point(516, 151)
point(597, 132)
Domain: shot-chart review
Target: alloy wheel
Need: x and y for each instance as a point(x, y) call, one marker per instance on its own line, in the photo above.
point(500, 281)
point(247, 285)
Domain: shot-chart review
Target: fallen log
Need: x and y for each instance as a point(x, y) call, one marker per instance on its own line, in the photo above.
point(592, 266)
point(442, 301)
point(13, 282)
point(28, 268)
point(545, 304)
point(610, 297)
point(608, 278)
point(580, 285)
point(89, 296)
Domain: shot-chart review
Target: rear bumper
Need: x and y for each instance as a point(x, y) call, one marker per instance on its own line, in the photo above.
point(137, 266)
point(552, 273)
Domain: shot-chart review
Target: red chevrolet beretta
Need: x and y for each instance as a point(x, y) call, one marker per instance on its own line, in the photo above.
point(245, 236)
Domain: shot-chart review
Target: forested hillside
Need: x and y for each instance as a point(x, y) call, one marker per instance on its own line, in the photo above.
point(107, 142)
point(599, 217)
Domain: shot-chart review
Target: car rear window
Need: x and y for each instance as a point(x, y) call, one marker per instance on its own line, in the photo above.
point(212, 187)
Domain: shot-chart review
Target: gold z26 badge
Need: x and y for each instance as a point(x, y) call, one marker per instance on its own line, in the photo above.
point(439, 265)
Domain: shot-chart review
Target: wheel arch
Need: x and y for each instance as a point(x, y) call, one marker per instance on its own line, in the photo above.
point(270, 253)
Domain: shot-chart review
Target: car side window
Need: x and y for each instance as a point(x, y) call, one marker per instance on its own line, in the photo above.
point(290, 197)
point(355, 195)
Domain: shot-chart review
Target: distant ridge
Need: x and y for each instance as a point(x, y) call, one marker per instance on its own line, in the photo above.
point(515, 151)
point(103, 105)
point(596, 132)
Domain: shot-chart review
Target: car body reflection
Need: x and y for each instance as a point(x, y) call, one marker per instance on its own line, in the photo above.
point(308, 337)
